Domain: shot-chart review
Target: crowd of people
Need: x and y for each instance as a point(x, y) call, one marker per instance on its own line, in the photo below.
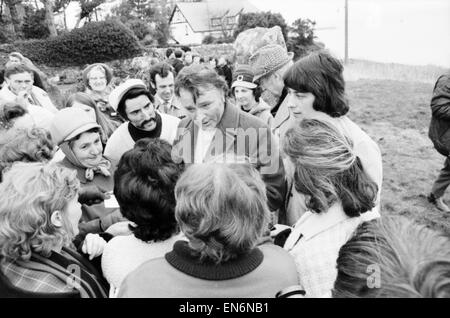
point(206, 181)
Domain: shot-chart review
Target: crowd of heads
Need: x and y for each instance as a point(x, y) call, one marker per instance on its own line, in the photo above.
point(222, 209)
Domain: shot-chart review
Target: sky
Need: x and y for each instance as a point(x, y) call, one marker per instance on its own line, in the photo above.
point(413, 32)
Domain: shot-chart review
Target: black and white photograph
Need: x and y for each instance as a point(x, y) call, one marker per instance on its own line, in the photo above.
point(238, 150)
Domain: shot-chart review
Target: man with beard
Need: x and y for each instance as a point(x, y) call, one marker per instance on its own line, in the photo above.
point(134, 103)
point(269, 64)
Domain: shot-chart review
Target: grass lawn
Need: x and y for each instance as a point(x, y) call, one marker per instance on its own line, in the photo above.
point(396, 114)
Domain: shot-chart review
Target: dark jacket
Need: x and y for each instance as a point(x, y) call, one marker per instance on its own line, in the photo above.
point(264, 150)
point(439, 131)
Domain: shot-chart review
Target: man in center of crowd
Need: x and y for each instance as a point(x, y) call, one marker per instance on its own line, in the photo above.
point(134, 103)
point(215, 129)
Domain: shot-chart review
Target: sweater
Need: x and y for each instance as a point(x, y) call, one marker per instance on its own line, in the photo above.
point(260, 273)
point(121, 140)
point(123, 254)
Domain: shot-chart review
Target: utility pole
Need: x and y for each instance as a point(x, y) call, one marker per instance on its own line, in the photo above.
point(346, 32)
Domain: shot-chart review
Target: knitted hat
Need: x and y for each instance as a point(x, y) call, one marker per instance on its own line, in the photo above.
point(117, 94)
point(268, 59)
point(243, 77)
point(108, 73)
point(69, 123)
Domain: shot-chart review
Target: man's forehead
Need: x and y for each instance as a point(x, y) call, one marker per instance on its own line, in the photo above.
point(21, 75)
point(168, 79)
point(137, 102)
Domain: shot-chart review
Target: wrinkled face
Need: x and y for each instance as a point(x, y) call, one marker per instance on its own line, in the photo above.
point(273, 83)
point(244, 97)
point(88, 149)
point(72, 213)
point(208, 109)
point(97, 80)
point(89, 110)
point(141, 113)
point(300, 104)
point(20, 82)
point(165, 86)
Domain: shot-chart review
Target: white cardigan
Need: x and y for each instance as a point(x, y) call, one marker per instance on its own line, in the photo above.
point(121, 141)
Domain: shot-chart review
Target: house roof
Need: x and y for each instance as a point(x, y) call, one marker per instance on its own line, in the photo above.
point(199, 14)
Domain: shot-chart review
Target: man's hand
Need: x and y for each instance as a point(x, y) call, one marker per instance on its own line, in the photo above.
point(92, 195)
point(22, 99)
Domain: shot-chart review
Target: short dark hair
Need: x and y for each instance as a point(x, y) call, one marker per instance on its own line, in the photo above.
point(320, 74)
point(17, 69)
point(193, 76)
point(169, 52)
point(257, 91)
point(178, 53)
point(162, 69)
point(144, 184)
point(132, 93)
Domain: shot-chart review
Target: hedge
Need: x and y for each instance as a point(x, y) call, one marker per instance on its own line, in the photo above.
point(95, 42)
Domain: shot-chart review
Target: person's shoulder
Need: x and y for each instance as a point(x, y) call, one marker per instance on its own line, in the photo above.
point(169, 118)
point(249, 121)
point(119, 131)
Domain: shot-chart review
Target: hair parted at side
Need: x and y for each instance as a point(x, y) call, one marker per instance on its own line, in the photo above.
point(17, 69)
point(192, 77)
point(163, 69)
point(30, 193)
point(394, 257)
point(222, 209)
point(320, 74)
point(144, 183)
point(132, 93)
point(327, 169)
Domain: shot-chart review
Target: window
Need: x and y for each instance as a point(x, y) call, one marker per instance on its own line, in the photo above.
point(216, 22)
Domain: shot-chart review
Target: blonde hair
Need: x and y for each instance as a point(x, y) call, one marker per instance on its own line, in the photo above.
point(30, 193)
point(222, 209)
point(327, 169)
point(394, 257)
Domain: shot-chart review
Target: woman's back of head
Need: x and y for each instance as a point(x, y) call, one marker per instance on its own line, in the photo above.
point(222, 209)
point(144, 183)
point(327, 169)
point(394, 257)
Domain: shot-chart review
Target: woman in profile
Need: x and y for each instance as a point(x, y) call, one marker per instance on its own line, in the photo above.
point(39, 215)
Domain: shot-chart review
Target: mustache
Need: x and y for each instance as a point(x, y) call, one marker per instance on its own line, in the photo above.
point(148, 122)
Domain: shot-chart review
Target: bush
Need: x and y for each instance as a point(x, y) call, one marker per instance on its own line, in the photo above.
point(95, 42)
point(209, 39)
point(261, 19)
point(140, 28)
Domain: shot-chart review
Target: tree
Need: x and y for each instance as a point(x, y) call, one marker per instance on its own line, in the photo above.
point(15, 19)
point(304, 30)
point(301, 39)
point(87, 8)
point(261, 19)
point(49, 18)
point(153, 12)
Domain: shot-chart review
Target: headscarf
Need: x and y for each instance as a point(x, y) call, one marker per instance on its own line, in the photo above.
point(102, 168)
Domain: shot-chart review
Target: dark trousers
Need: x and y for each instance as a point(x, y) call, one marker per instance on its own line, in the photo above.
point(443, 180)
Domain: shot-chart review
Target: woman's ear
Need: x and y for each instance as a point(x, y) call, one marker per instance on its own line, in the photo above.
point(56, 219)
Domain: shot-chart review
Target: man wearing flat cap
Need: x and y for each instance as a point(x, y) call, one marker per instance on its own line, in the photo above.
point(134, 103)
point(269, 64)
